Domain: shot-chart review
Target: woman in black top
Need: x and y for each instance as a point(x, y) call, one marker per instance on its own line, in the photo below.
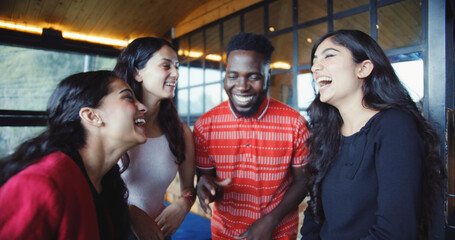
point(375, 165)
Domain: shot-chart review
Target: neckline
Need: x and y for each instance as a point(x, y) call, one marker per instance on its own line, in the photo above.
point(364, 128)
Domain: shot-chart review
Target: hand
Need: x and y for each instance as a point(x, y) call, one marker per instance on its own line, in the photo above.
point(143, 226)
point(172, 217)
point(207, 188)
point(262, 229)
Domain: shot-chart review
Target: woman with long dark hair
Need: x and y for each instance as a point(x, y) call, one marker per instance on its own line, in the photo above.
point(374, 159)
point(150, 66)
point(65, 183)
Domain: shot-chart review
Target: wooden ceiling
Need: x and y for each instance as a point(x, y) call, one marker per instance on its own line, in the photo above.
point(116, 19)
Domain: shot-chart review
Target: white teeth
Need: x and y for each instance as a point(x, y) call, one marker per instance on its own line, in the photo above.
point(243, 99)
point(139, 121)
point(171, 84)
point(323, 79)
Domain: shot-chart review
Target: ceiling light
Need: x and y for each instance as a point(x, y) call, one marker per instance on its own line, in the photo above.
point(309, 40)
point(213, 57)
point(271, 29)
point(280, 65)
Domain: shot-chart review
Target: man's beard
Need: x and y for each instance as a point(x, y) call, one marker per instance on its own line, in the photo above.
point(253, 110)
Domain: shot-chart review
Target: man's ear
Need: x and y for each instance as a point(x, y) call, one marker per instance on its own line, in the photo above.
point(89, 116)
point(365, 68)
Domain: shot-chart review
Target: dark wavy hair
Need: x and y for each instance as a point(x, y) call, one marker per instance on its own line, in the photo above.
point(66, 133)
point(134, 57)
point(382, 90)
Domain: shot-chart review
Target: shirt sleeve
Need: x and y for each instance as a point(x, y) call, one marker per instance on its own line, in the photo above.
point(203, 160)
point(30, 208)
point(399, 156)
point(300, 150)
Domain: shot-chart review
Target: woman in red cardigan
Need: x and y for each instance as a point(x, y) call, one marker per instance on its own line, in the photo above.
point(65, 184)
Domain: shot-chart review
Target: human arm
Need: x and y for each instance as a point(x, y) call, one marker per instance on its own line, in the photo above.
point(398, 161)
point(143, 226)
point(172, 216)
point(264, 227)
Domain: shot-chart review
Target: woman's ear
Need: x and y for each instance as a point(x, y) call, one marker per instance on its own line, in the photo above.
point(137, 76)
point(89, 116)
point(365, 68)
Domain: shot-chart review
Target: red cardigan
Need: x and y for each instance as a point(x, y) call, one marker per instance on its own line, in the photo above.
point(50, 199)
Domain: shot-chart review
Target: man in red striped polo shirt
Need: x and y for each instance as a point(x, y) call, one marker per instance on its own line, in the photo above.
point(250, 151)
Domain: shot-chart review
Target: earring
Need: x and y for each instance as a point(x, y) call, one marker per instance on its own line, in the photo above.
point(99, 121)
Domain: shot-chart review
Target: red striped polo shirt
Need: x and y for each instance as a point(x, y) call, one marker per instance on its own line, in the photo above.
point(257, 153)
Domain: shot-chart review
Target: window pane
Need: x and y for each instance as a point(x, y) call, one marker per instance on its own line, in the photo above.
point(305, 90)
point(400, 24)
point(280, 15)
point(307, 37)
point(196, 100)
point(281, 87)
point(196, 73)
point(282, 55)
point(254, 21)
point(342, 5)
point(212, 71)
point(184, 48)
point(183, 76)
point(28, 76)
point(12, 137)
point(230, 28)
point(212, 96)
point(409, 68)
point(196, 45)
point(182, 102)
point(359, 21)
point(213, 38)
point(310, 10)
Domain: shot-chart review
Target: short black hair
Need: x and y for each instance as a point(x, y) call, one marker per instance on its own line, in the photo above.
point(251, 42)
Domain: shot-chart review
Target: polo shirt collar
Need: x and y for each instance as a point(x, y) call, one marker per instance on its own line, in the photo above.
point(262, 109)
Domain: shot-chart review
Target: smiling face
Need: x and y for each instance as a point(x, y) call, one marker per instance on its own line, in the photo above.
point(122, 115)
point(160, 74)
point(247, 75)
point(336, 74)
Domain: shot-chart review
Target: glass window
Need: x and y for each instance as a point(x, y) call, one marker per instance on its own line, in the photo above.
point(400, 24)
point(305, 89)
point(212, 71)
point(196, 45)
point(183, 76)
point(409, 69)
point(12, 137)
point(230, 28)
point(254, 21)
point(359, 21)
point(196, 73)
point(212, 40)
point(184, 48)
point(182, 102)
point(29, 76)
point(196, 100)
point(311, 10)
point(342, 5)
point(212, 96)
point(282, 55)
point(307, 37)
point(280, 15)
point(281, 87)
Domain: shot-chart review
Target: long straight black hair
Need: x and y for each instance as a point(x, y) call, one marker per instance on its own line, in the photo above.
point(135, 57)
point(382, 90)
point(65, 133)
